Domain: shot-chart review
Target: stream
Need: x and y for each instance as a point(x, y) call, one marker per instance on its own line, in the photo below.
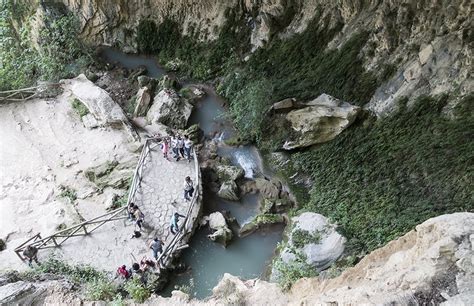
point(246, 257)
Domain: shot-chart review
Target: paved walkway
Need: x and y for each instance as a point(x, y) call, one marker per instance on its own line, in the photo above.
point(162, 191)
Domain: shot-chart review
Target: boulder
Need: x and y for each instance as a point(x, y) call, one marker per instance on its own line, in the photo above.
point(89, 121)
point(97, 101)
point(169, 109)
point(222, 234)
point(194, 133)
point(229, 191)
point(316, 239)
point(320, 121)
point(269, 189)
point(142, 102)
point(192, 93)
point(228, 172)
point(283, 105)
point(143, 80)
point(168, 82)
point(260, 221)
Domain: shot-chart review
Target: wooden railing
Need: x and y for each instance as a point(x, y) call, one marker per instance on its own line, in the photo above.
point(58, 238)
point(186, 227)
point(87, 227)
point(28, 93)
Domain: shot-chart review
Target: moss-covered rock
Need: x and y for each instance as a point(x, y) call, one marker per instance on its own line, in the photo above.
point(260, 221)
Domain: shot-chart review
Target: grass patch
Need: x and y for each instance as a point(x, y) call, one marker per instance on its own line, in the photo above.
point(137, 291)
point(68, 192)
point(391, 174)
point(300, 238)
point(79, 107)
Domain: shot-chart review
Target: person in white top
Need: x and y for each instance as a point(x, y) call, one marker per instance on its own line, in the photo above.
point(174, 147)
point(188, 145)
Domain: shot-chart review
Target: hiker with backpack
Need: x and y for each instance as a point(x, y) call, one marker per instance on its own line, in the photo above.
point(131, 211)
point(123, 272)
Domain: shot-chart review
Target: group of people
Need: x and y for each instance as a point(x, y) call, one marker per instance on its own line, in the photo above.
point(180, 146)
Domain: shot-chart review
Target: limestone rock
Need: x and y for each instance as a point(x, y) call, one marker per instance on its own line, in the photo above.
point(142, 102)
point(222, 234)
point(322, 120)
point(3, 245)
point(143, 80)
point(97, 101)
point(425, 54)
point(283, 105)
point(260, 221)
point(12, 292)
point(169, 109)
point(228, 172)
point(322, 247)
point(89, 121)
point(229, 191)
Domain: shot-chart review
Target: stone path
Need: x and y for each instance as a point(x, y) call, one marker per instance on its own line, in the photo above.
point(162, 191)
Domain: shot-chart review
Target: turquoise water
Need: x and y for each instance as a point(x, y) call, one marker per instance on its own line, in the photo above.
point(208, 261)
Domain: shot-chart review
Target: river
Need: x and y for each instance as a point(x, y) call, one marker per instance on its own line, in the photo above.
point(246, 257)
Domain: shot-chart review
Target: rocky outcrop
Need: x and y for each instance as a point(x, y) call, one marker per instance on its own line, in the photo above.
point(142, 102)
point(313, 243)
point(97, 101)
point(169, 109)
point(320, 121)
point(222, 234)
point(431, 38)
point(229, 191)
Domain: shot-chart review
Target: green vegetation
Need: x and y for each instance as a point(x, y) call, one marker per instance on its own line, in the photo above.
point(137, 290)
point(392, 174)
point(79, 107)
point(68, 192)
point(56, 53)
point(101, 289)
point(288, 273)
point(77, 274)
point(300, 238)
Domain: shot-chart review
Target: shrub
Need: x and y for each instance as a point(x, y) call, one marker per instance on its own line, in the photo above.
point(68, 192)
point(137, 290)
point(78, 274)
point(79, 107)
point(289, 273)
point(300, 238)
point(101, 289)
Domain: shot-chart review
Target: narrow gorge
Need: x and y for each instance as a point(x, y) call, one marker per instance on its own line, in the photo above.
point(279, 152)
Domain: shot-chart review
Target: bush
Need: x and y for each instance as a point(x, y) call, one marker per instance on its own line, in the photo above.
point(289, 273)
point(78, 274)
point(79, 107)
point(60, 53)
point(68, 192)
point(101, 289)
point(137, 290)
point(300, 238)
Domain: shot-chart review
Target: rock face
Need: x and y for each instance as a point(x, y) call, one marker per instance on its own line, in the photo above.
point(434, 34)
point(97, 101)
point(142, 102)
point(322, 120)
point(169, 109)
point(222, 234)
point(229, 191)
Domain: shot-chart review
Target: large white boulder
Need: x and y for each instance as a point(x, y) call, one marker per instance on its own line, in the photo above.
point(97, 101)
point(320, 246)
point(221, 232)
point(169, 109)
point(320, 121)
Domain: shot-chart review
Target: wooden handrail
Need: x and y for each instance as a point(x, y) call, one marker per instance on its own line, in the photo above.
point(184, 229)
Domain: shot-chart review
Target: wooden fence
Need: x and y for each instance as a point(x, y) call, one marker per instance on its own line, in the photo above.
point(87, 227)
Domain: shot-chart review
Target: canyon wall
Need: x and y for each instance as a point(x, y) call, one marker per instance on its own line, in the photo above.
point(427, 44)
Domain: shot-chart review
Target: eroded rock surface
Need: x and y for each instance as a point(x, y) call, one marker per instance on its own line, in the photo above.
point(320, 121)
point(169, 109)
